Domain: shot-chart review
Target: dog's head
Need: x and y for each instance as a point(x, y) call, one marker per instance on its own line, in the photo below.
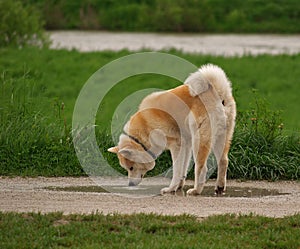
point(134, 159)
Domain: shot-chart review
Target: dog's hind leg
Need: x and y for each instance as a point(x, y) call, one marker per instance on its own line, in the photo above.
point(201, 150)
point(221, 148)
point(222, 172)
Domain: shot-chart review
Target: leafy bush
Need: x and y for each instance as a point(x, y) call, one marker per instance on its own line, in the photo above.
point(20, 25)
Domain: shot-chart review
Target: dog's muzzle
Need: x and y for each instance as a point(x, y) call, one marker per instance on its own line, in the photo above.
point(134, 181)
point(131, 184)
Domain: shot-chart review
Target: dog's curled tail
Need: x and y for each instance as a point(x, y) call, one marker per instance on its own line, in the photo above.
point(209, 74)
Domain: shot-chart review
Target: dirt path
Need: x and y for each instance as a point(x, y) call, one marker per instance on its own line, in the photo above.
point(29, 195)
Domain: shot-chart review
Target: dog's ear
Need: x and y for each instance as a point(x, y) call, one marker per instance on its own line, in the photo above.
point(113, 149)
point(127, 153)
point(136, 155)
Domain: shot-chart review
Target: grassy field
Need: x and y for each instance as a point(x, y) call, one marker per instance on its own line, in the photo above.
point(55, 230)
point(58, 76)
point(39, 89)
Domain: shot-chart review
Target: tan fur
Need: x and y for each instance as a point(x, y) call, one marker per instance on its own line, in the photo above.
point(189, 119)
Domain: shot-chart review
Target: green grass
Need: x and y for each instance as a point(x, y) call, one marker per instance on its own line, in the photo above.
point(58, 76)
point(38, 89)
point(54, 230)
point(251, 16)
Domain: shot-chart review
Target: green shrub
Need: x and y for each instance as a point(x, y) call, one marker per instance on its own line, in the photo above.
point(20, 25)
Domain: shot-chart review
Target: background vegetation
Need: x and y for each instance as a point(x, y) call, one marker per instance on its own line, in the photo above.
point(249, 16)
point(21, 25)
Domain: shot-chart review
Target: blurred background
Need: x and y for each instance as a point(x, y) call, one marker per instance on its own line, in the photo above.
point(206, 16)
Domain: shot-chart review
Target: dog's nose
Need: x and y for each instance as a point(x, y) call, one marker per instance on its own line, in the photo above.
point(131, 184)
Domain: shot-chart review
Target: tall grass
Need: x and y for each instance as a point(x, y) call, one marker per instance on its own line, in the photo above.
point(31, 143)
point(260, 149)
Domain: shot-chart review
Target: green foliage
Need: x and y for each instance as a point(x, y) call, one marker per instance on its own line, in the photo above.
point(20, 25)
point(55, 230)
point(259, 16)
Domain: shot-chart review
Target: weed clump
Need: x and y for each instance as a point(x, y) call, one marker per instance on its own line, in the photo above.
point(260, 149)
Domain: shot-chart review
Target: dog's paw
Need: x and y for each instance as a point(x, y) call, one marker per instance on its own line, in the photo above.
point(167, 190)
point(193, 191)
point(219, 191)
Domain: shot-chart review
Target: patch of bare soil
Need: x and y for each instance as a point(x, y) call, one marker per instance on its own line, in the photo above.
point(40, 195)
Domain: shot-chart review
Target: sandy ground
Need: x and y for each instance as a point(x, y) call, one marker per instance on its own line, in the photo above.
point(29, 195)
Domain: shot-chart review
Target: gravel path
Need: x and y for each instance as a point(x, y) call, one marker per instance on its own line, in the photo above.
point(29, 195)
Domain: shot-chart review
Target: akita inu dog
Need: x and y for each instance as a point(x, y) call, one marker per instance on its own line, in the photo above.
point(192, 119)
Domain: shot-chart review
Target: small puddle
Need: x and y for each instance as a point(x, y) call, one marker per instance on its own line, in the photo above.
point(243, 192)
point(89, 189)
point(148, 190)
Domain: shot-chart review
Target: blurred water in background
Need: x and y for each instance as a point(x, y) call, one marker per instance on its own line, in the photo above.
point(219, 44)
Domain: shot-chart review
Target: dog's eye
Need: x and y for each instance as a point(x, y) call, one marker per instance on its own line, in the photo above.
point(131, 168)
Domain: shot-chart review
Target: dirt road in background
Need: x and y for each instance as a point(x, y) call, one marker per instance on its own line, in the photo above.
point(31, 195)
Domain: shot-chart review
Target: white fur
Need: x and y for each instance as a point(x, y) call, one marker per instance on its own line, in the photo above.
point(197, 83)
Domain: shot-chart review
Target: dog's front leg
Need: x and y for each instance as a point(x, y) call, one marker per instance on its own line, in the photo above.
point(181, 157)
point(174, 185)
